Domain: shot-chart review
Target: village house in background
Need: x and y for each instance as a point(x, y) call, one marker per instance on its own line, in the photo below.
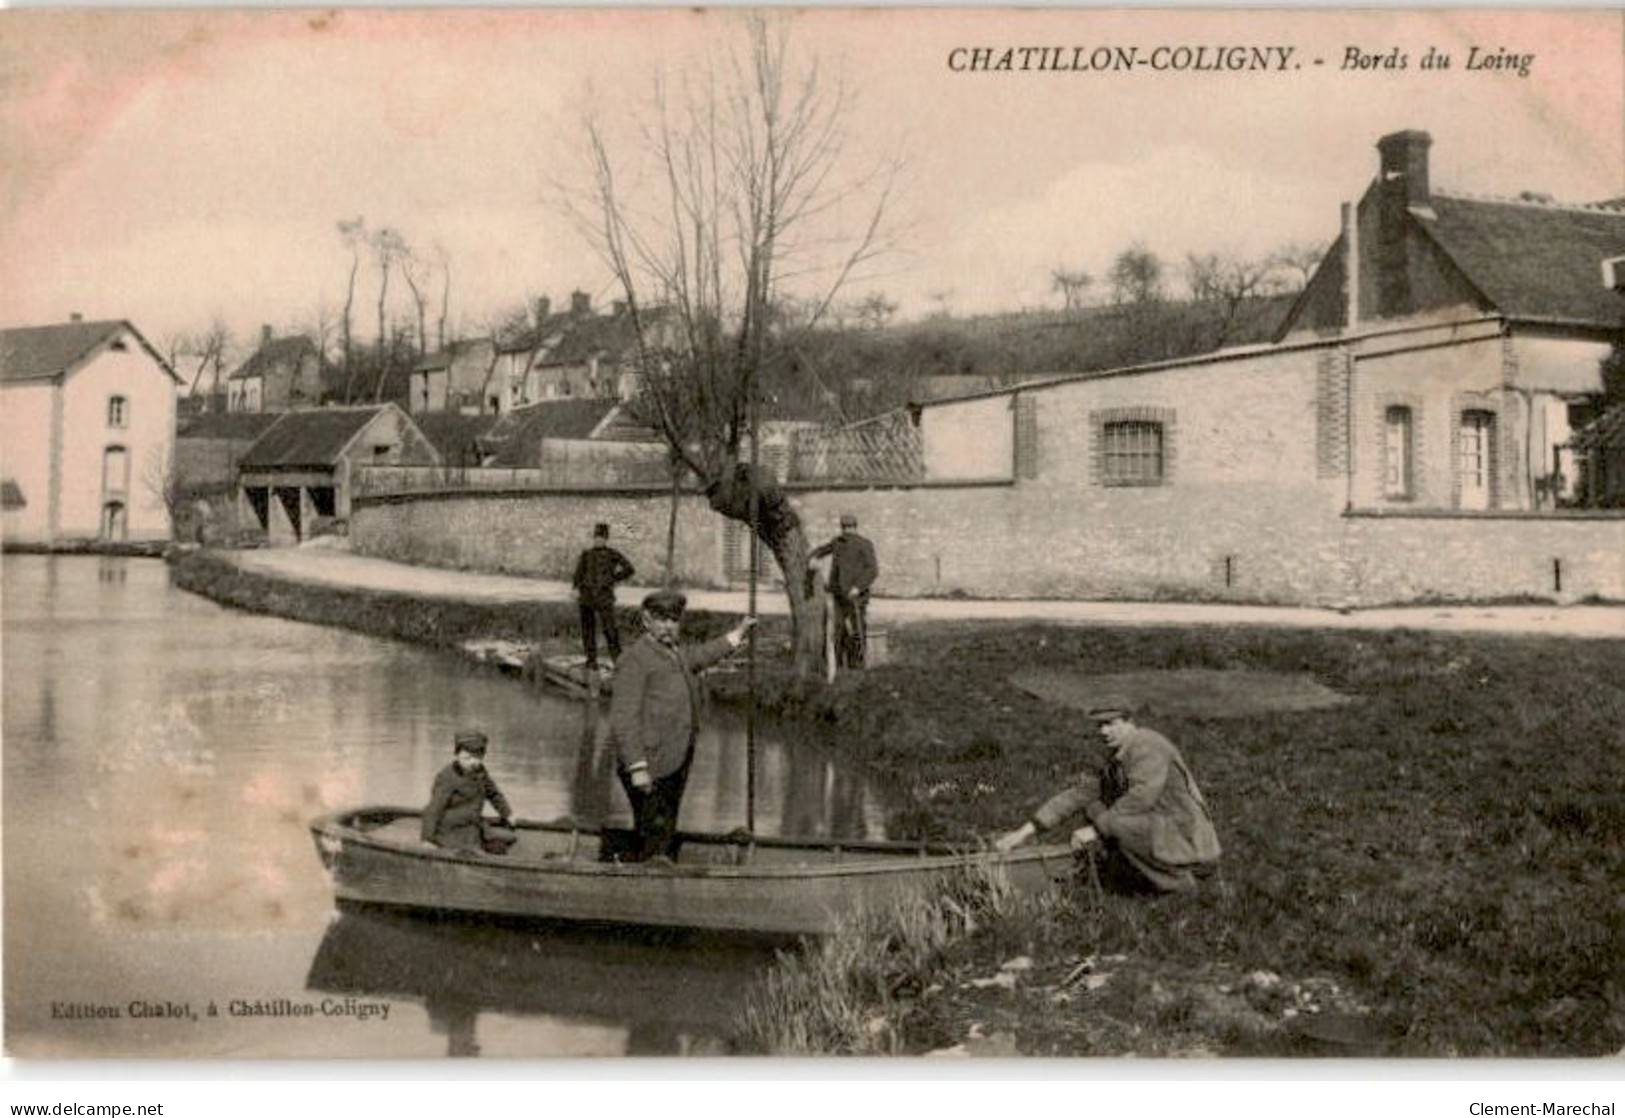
point(574, 354)
point(294, 481)
point(283, 374)
point(87, 429)
point(1409, 434)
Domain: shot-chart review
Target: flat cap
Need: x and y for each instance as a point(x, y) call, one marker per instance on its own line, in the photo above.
point(600, 529)
point(471, 741)
point(666, 603)
point(1109, 708)
point(849, 520)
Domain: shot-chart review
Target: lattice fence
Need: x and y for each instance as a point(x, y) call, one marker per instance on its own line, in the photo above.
point(885, 448)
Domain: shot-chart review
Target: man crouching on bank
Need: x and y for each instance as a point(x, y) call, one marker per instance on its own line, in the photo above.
point(654, 718)
point(1144, 808)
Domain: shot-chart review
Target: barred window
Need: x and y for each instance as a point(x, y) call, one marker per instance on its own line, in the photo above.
point(118, 411)
point(1131, 453)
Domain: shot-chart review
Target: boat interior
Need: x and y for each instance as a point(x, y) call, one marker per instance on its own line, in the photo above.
point(550, 842)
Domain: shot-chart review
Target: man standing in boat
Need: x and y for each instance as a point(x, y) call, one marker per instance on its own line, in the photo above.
point(853, 570)
point(598, 570)
point(654, 718)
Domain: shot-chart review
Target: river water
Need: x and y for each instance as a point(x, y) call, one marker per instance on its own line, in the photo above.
point(163, 757)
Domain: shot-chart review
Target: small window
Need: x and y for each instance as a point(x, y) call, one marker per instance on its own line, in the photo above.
point(381, 451)
point(1397, 454)
point(118, 411)
point(115, 470)
point(1131, 453)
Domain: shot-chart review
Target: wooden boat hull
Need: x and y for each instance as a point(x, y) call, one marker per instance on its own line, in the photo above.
point(722, 883)
point(572, 674)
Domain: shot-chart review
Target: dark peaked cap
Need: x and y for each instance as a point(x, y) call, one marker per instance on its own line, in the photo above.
point(665, 603)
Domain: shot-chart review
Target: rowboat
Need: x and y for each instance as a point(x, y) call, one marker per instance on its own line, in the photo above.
point(572, 674)
point(733, 883)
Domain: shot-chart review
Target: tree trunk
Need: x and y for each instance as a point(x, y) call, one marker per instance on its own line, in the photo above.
point(780, 530)
point(349, 304)
point(671, 523)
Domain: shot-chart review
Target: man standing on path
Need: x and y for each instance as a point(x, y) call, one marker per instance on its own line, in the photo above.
point(597, 571)
point(853, 571)
point(654, 718)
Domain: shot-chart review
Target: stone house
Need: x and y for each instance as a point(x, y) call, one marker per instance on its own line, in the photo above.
point(296, 477)
point(1421, 453)
point(1484, 422)
point(283, 374)
point(87, 434)
point(454, 379)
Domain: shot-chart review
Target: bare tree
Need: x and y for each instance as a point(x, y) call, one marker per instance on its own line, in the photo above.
point(195, 355)
point(1136, 276)
point(1227, 283)
point(874, 311)
point(354, 234)
point(388, 247)
point(944, 300)
point(755, 192)
point(416, 271)
point(1297, 262)
point(1073, 284)
point(442, 259)
point(161, 478)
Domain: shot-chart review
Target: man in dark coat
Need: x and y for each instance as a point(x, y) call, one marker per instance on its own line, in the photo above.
point(654, 718)
point(597, 571)
point(1144, 808)
point(453, 818)
point(853, 570)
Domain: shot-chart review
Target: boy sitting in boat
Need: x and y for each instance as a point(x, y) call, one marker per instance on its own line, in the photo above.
point(455, 816)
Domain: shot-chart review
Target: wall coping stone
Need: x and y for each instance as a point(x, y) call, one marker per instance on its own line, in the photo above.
point(660, 490)
point(1483, 514)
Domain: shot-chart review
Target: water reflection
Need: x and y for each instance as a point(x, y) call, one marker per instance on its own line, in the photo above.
point(675, 992)
point(185, 748)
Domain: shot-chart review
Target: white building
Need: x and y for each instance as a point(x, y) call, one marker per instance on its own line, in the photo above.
point(87, 434)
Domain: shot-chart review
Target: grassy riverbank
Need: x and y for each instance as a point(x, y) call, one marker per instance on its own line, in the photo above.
point(1431, 868)
point(435, 622)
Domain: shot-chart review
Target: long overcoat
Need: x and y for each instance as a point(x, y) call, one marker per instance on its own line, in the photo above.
point(654, 708)
point(1148, 804)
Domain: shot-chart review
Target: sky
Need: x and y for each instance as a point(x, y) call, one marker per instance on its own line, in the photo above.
point(171, 167)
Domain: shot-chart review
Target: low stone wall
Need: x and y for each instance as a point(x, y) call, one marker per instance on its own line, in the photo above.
point(540, 531)
point(1550, 556)
point(1005, 539)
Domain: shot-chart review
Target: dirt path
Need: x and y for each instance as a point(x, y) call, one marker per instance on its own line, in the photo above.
point(333, 566)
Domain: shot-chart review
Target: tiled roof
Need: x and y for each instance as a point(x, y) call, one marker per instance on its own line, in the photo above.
point(308, 438)
point(1606, 431)
point(227, 425)
point(452, 433)
point(40, 352)
point(1532, 260)
point(290, 349)
point(515, 440)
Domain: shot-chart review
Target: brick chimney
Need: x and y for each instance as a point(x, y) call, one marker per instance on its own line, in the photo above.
point(544, 307)
point(75, 316)
point(1402, 184)
point(265, 335)
point(580, 303)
